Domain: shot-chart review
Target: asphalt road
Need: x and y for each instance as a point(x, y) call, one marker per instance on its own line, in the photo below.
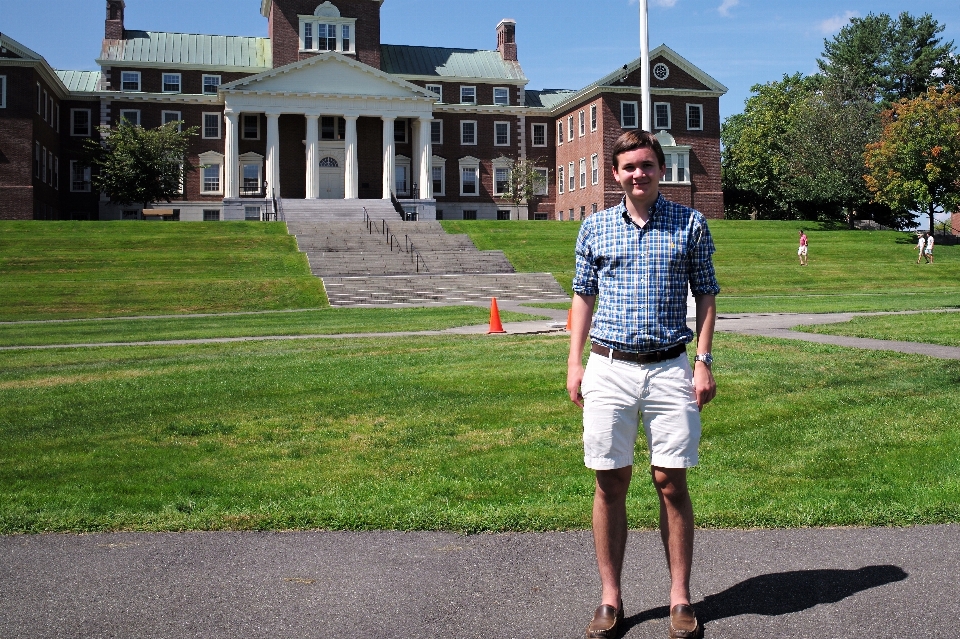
point(836, 583)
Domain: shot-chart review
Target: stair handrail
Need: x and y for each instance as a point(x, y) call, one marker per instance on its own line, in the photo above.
point(418, 260)
point(390, 240)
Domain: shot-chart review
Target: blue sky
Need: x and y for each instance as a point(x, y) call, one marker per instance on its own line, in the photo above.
point(738, 42)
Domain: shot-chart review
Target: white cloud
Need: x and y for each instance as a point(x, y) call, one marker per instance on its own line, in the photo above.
point(834, 24)
point(724, 9)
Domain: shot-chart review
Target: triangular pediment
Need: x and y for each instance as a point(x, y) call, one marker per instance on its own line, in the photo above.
point(665, 53)
point(329, 74)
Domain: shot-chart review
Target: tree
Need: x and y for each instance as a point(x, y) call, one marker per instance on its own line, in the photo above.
point(140, 166)
point(756, 156)
point(893, 59)
point(916, 164)
point(524, 182)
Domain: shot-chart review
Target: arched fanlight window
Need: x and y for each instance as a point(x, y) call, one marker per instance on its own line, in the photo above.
point(329, 163)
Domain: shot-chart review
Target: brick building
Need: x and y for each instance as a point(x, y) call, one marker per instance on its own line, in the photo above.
point(321, 109)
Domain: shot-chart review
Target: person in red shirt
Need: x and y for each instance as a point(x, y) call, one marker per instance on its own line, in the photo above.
point(802, 251)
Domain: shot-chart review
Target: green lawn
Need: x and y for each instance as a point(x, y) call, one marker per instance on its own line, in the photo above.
point(95, 269)
point(757, 265)
point(930, 328)
point(452, 433)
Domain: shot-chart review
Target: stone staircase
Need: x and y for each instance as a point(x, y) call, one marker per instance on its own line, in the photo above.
point(389, 261)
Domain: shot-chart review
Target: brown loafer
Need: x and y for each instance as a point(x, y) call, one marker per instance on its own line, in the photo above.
point(605, 623)
point(684, 624)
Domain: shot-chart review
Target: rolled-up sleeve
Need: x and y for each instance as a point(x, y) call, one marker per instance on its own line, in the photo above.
point(585, 277)
point(703, 278)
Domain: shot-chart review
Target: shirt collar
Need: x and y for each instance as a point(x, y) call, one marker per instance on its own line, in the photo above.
point(654, 210)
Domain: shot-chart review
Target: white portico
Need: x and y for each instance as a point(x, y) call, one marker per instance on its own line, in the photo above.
point(331, 92)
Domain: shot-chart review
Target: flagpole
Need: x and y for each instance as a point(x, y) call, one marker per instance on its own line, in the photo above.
point(645, 67)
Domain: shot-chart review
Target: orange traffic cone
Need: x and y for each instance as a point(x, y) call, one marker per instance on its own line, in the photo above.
point(495, 325)
point(569, 319)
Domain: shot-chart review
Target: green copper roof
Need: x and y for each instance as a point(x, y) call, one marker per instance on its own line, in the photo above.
point(448, 63)
point(183, 49)
point(547, 98)
point(81, 81)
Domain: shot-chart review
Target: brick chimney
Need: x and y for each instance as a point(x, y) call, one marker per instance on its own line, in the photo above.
point(113, 28)
point(507, 39)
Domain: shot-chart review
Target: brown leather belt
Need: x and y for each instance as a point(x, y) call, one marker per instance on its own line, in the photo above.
point(651, 357)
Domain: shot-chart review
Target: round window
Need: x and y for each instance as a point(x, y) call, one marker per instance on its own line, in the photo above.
point(661, 71)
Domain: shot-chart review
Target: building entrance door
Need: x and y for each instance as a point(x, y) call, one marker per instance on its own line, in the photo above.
point(331, 179)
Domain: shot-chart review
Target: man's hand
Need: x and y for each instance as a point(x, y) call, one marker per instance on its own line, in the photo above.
point(703, 384)
point(574, 378)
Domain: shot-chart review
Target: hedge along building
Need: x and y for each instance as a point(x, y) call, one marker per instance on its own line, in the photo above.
point(321, 109)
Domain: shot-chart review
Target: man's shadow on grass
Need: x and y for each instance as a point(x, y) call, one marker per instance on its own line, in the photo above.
point(783, 593)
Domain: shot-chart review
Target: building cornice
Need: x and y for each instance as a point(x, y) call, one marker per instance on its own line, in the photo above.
point(122, 64)
point(481, 109)
point(435, 79)
point(136, 96)
point(46, 72)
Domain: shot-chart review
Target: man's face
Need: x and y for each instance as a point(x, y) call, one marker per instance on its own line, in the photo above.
point(639, 173)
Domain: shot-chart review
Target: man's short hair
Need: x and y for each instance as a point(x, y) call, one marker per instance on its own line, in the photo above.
point(637, 139)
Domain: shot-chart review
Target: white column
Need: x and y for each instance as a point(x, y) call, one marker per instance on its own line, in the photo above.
point(273, 155)
point(351, 187)
point(426, 156)
point(415, 153)
point(313, 148)
point(231, 160)
point(389, 156)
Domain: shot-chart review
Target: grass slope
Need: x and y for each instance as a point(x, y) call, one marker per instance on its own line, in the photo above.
point(758, 269)
point(93, 269)
point(930, 328)
point(460, 433)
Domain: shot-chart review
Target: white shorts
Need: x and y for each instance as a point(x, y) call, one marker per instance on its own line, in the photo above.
point(618, 394)
point(802, 250)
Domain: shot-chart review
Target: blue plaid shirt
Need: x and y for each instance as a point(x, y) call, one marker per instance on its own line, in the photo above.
point(641, 274)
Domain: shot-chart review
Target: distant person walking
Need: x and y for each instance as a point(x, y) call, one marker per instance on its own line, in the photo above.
point(928, 251)
point(802, 251)
point(921, 245)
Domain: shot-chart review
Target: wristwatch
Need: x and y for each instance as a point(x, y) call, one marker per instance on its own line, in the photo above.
point(706, 358)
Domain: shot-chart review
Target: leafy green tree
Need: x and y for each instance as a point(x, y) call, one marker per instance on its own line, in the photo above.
point(915, 166)
point(140, 166)
point(894, 58)
point(757, 159)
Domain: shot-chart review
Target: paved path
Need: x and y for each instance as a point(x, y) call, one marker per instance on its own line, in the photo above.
point(836, 583)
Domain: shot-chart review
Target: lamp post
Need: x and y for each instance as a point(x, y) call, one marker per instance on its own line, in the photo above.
point(645, 67)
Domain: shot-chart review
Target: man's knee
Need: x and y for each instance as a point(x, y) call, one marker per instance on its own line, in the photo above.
point(612, 485)
point(671, 483)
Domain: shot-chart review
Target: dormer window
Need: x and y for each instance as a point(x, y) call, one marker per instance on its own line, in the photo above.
point(325, 30)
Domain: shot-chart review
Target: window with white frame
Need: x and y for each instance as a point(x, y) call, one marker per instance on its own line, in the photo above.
point(501, 134)
point(211, 84)
point(211, 126)
point(251, 172)
point(469, 176)
point(327, 30)
point(538, 134)
point(80, 122)
point(593, 117)
point(36, 160)
point(171, 83)
point(44, 161)
point(251, 213)
point(571, 177)
point(436, 132)
point(436, 88)
point(582, 123)
point(438, 171)
point(46, 107)
point(695, 117)
point(401, 175)
point(130, 117)
point(628, 115)
point(569, 128)
point(677, 159)
point(129, 80)
point(166, 117)
point(57, 119)
point(468, 132)
point(594, 169)
point(50, 168)
point(560, 182)
point(3, 92)
point(400, 131)
point(250, 126)
point(468, 95)
point(501, 176)
point(211, 173)
point(501, 96)
point(79, 177)
point(541, 182)
point(661, 115)
point(560, 133)
point(56, 172)
point(583, 173)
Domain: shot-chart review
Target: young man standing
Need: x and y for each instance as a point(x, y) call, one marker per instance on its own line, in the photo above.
point(928, 251)
point(635, 262)
point(921, 245)
point(802, 251)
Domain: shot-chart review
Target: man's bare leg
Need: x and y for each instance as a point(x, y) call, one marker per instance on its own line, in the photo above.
point(676, 529)
point(610, 529)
